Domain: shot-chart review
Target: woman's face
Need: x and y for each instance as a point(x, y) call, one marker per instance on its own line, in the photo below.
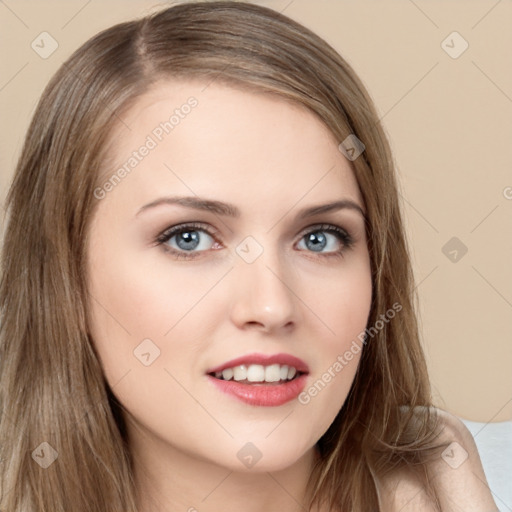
point(265, 281)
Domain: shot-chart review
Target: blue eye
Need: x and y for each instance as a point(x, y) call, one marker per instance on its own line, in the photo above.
point(185, 241)
point(185, 238)
point(189, 240)
point(317, 240)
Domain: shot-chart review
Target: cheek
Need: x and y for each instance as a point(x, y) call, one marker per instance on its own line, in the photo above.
point(344, 303)
point(139, 306)
point(145, 326)
point(146, 295)
point(344, 306)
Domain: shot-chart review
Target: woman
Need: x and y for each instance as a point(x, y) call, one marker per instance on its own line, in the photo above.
point(207, 300)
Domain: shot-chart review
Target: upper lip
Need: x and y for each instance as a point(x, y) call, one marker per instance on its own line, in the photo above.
point(264, 360)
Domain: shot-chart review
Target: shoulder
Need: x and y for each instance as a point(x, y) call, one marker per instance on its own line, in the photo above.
point(457, 476)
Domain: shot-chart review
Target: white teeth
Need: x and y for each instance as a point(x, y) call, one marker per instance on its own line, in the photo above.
point(240, 372)
point(272, 373)
point(227, 374)
point(258, 373)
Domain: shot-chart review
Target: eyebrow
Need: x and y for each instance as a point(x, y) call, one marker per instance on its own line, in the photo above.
point(229, 210)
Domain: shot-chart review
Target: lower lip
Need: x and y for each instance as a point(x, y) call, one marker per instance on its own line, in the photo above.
point(267, 395)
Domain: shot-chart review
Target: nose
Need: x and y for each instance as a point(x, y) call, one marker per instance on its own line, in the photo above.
point(263, 295)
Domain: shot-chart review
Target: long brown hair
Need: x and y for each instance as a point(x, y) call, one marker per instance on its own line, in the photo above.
point(55, 401)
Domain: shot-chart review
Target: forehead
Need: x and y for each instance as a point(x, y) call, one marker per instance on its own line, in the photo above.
point(222, 140)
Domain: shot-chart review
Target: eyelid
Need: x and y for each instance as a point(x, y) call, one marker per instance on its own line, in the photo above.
point(347, 239)
point(183, 226)
point(323, 226)
point(176, 228)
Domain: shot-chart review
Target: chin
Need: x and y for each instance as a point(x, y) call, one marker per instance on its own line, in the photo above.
point(260, 454)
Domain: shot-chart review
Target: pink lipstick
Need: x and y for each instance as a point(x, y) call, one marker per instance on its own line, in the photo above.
point(261, 380)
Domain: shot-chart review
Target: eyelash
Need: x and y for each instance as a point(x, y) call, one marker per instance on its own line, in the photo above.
point(343, 236)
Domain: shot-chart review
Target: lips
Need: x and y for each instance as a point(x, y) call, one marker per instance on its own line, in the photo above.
point(261, 393)
point(264, 360)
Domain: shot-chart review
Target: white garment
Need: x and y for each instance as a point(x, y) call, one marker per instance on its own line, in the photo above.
point(494, 443)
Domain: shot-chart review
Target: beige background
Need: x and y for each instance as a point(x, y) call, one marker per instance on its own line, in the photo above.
point(450, 125)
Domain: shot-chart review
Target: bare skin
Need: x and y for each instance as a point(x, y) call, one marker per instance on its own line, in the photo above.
point(270, 160)
point(458, 478)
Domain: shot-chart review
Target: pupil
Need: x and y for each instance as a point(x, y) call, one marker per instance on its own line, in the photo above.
point(318, 241)
point(190, 239)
